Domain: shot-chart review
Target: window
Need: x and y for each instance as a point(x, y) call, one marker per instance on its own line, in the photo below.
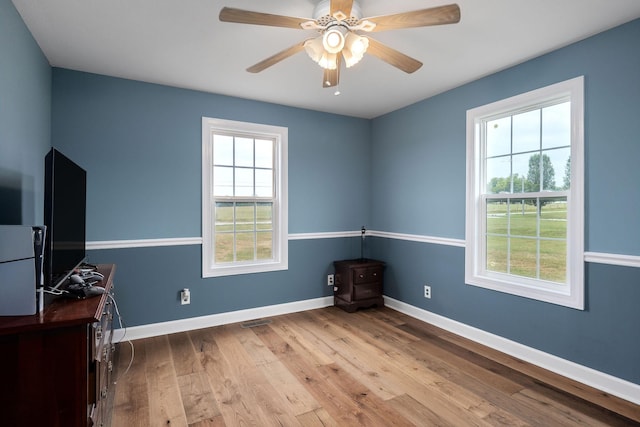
point(244, 198)
point(525, 208)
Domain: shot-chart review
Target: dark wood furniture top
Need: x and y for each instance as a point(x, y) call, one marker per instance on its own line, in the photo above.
point(62, 311)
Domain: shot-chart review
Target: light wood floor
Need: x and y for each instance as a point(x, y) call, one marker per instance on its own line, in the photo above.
point(325, 367)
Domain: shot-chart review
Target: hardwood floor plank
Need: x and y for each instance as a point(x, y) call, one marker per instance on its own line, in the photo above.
point(326, 367)
point(184, 353)
point(418, 413)
point(300, 342)
point(360, 366)
point(317, 418)
point(427, 390)
point(297, 399)
point(335, 401)
point(198, 399)
point(227, 389)
point(131, 400)
point(257, 393)
point(165, 402)
point(378, 410)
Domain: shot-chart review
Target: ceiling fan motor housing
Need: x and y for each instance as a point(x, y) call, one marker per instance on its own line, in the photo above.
point(322, 14)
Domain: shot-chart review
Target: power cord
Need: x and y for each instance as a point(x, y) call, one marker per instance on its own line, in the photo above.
point(122, 326)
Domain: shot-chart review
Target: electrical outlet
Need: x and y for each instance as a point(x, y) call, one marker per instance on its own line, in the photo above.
point(427, 291)
point(330, 280)
point(185, 296)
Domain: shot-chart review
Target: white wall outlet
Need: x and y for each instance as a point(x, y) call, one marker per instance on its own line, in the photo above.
point(185, 296)
point(427, 291)
point(330, 280)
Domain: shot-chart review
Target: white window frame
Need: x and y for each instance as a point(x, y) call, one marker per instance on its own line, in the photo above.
point(571, 294)
point(280, 208)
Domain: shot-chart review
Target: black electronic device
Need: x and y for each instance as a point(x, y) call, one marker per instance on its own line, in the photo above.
point(21, 269)
point(81, 291)
point(64, 216)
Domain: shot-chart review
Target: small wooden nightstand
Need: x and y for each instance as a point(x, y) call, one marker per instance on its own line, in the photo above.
point(358, 284)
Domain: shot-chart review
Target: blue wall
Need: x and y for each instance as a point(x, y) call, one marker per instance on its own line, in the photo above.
point(419, 154)
point(141, 146)
point(25, 120)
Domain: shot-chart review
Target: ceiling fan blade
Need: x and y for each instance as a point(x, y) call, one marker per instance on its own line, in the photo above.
point(330, 78)
point(393, 57)
point(343, 6)
point(449, 14)
point(274, 59)
point(230, 14)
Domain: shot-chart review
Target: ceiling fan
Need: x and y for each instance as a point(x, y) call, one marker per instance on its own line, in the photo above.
point(340, 26)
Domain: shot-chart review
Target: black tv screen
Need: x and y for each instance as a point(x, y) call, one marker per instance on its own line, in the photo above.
point(65, 189)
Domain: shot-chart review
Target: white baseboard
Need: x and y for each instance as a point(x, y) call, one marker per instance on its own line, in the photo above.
point(182, 325)
point(599, 380)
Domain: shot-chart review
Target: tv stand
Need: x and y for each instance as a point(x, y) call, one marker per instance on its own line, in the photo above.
point(55, 366)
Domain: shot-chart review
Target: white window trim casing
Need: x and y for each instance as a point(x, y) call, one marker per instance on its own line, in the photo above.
point(280, 215)
point(571, 295)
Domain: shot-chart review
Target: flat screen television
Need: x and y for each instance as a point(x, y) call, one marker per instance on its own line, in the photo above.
point(65, 195)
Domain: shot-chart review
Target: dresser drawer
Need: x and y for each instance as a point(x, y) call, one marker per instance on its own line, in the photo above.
point(367, 275)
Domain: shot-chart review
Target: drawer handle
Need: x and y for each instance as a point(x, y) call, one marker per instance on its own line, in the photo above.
point(375, 274)
point(361, 276)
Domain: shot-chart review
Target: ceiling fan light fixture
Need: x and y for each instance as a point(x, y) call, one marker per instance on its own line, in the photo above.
point(314, 49)
point(328, 61)
point(354, 48)
point(333, 40)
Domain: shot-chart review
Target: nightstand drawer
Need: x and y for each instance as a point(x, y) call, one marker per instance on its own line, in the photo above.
point(367, 275)
point(370, 290)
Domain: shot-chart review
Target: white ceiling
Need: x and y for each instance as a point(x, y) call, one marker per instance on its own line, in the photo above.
point(182, 43)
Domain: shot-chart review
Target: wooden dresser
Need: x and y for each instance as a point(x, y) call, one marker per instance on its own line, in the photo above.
point(55, 366)
point(358, 284)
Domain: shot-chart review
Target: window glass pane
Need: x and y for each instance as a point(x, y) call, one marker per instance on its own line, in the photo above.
point(223, 150)
point(523, 218)
point(560, 168)
point(245, 246)
point(498, 137)
point(265, 244)
point(526, 132)
point(523, 257)
point(244, 182)
point(244, 152)
point(223, 217)
point(553, 217)
point(522, 168)
point(223, 247)
point(264, 216)
point(499, 175)
point(544, 168)
point(245, 216)
point(497, 249)
point(556, 125)
point(553, 260)
point(222, 181)
point(264, 153)
point(264, 183)
point(497, 216)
